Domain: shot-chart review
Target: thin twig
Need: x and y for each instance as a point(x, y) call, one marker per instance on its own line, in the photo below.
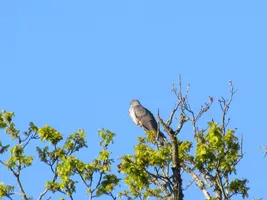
point(199, 182)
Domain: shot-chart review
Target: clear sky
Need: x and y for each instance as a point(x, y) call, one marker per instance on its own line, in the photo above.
point(77, 64)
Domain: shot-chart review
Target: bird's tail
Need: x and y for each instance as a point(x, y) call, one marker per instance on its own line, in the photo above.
point(161, 138)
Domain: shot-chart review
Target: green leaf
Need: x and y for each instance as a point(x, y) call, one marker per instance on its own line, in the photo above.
point(107, 137)
point(110, 181)
point(5, 190)
point(48, 133)
point(239, 186)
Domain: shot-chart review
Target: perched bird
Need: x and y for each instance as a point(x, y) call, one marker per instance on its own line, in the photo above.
point(144, 118)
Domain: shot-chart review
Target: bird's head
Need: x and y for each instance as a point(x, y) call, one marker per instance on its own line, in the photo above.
point(135, 102)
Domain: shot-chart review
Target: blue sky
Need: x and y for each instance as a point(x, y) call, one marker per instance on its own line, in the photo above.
point(78, 64)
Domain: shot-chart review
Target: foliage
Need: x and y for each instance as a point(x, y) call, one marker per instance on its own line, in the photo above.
point(61, 160)
point(210, 160)
point(153, 170)
point(217, 154)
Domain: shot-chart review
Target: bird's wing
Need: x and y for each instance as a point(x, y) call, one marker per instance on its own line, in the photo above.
point(145, 117)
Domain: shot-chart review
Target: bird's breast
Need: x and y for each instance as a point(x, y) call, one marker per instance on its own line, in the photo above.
point(132, 115)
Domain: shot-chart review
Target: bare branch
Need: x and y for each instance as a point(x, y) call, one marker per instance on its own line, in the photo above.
point(35, 136)
point(23, 193)
point(47, 189)
point(183, 119)
point(162, 188)
point(112, 196)
point(264, 148)
point(225, 105)
point(189, 184)
point(98, 183)
point(176, 106)
point(43, 193)
point(220, 184)
point(166, 128)
point(204, 108)
point(198, 180)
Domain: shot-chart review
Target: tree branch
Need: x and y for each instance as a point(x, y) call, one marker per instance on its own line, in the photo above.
point(176, 168)
point(24, 196)
point(47, 189)
point(225, 105)
point(199, 182)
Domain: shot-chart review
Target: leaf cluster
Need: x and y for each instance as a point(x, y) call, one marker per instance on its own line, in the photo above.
point(61, 160)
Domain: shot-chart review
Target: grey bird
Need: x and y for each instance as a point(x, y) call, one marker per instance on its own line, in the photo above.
point(144, 118)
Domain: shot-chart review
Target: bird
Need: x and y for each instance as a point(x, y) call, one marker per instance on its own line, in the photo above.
point(144, 118)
